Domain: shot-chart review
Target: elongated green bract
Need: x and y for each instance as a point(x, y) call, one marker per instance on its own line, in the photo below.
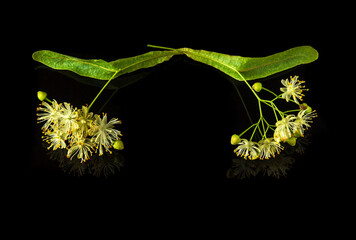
point(254, 68)
point(150, 59)
point(94, 68)
point(100, 69)
point(238, 67)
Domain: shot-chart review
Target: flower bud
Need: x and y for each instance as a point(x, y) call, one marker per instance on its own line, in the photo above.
point(235, 139)
point(309, 110)
point(118, 145)
point(305, 106)
point(257, 86)
point(41, 95)
point(292, 141)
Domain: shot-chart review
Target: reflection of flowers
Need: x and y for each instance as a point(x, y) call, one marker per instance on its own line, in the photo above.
point(78, 131)
point(105, 165)
point(275, 167)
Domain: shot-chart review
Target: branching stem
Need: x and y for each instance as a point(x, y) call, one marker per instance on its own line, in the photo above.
point(265, 126)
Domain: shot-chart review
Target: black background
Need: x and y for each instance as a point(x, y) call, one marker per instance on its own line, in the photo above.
point(177, 122)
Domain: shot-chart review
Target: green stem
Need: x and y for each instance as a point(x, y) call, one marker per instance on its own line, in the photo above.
point(277, 97)
point(258, 98)
point(48, 100)
point(254, 130)
point(267, 127)
point(294, 110)
point(242, 77)
point(247, 129)
point(275, 114)
point(270, 91)
point(261, 115)
point(259, 105)
point(160, 47)
point(276, 108)
point(102, 89)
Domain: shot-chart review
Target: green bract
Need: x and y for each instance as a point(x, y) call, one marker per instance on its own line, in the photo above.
point(100, 69)
point(253, 68)
point(240, 68)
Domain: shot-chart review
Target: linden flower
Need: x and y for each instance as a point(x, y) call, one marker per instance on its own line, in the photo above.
point(293, 88)
point(104, 133)
point(247, 149)
point(85, 121)
point(68, 118)
point(56, 139)
point(269, 147)
point(303, 121)
point(82, 147)
point(49, 114)
point(285, 128)
point(76, 130)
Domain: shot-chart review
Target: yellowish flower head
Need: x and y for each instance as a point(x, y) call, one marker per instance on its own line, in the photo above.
point(104, 133)
point(285, 128)
point(48, 113)
point(247, 149)
point(82, 147)
point(293, 88)
point(269, 148)
point(303, 121)
point(76, 130)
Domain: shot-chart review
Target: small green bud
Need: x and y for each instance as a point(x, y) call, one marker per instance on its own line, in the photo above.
point(235, 139)
point(305, 106)
point(41, 95)
point(257, 86)
point(118, 145)
point(292, 141)
point(309, 110)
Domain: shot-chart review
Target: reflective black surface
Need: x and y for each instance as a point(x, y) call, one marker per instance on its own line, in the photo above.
point(178, 117)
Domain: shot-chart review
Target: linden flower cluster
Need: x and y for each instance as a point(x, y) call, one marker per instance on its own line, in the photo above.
point(78, 130)
point(287, 128)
